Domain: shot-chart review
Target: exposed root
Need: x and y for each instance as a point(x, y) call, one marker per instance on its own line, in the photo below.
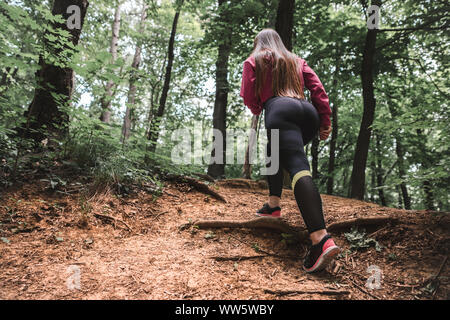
point(325, 292)
point(237, 258)
point(436, 279)
point(364, 290)
point(205, 177)
point(197, 185)
point(112, 219)
point(261, 250)
point(283, 227)
point(257, 223)
point(236, 183)
point(361, 222)
point(243, 183)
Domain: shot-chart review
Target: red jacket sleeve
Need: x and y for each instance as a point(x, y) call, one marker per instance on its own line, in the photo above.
point(248, 89)
point(319, 97)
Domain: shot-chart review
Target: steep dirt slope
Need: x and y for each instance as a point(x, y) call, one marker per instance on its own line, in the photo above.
point(149, 249)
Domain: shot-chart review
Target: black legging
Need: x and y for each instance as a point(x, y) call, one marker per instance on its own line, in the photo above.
point(298, 123)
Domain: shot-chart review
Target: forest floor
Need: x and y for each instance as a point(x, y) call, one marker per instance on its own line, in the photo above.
point(150, 250)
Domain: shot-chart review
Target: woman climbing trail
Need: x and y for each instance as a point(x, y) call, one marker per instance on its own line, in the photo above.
point(273, 79)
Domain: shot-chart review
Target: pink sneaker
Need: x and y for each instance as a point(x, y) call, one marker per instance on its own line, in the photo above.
point(267, 211)
point(320, 255)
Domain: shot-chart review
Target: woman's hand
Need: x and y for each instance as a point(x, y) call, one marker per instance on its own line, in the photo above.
point(324, 133)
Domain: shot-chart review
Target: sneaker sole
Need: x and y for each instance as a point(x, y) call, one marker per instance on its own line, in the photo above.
point(325, 258)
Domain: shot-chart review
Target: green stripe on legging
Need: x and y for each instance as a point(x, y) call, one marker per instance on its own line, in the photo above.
point(299, 175)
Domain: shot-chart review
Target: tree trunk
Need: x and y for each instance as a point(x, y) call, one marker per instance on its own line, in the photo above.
point(315, 157)
point(425, 163)
point(153, 134)
point(285, 21)
point(429, 196)
point(362, 145)
point(106, 100)
point(284, 25)
point(400, 159)
point(151, 110)
point(402, 173)
point(272, 20)
point(379, 171)
point(247, 168)
point(154, 97)
point(333, 142)
point(134, 77)
point(222, 87)
point(373, 177)
point(45, 112)
point(334, 133)
point(399, 198)
point(345, 180)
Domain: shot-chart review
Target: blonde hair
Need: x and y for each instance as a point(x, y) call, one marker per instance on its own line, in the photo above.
point(270, 52)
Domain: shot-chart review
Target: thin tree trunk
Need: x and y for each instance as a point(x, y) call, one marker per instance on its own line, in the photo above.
point(132, 89)
point(222, 87)
point(426, 184)
point(345, 180)
point(153, 134)
point(131, 99)
point(334, 133)
point(379, 171)
point(45, 112)
point(399, 197)
point(400, 159)
point(285, 21)
point(247, 168)
point(373, 176)
point(333, 142)
point(284, 25)
point(271, 23)
point(150, 110)
point(315, 158)
point(362, 146)
point(429, 196)
point(380, 184)
point(154, 98)
point(425, 163)
point(107, 98)
point(402, 173)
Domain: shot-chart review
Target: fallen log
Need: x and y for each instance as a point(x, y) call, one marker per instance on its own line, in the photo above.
point(283, 227)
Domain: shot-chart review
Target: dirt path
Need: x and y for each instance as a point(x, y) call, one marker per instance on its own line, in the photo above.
point(50, 238)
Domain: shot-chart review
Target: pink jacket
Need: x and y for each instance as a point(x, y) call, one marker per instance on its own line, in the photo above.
point(318, 95)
